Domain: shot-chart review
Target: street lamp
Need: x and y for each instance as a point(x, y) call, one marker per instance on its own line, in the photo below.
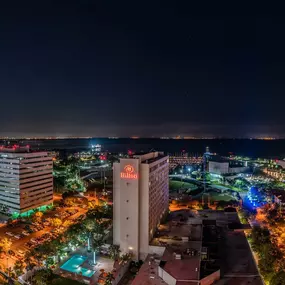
point(189, 170)
point(94, 257)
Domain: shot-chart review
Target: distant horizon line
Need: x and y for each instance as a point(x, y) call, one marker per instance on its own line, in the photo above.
point(137, 137)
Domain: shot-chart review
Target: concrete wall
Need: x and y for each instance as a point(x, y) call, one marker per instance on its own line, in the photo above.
point(168, 279)
point(126, 208)
point(158, 250)
point(116, 204)
point(129, 210)
point(144, 211)
point(120, 273)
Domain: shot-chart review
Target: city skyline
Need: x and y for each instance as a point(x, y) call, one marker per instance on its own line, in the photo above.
point(115, 69)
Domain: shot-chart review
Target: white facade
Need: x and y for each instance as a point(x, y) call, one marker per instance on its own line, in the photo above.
point(26, 180)
point(223, 167)
point(218, 167)
point(141, 194)
point(281, 163)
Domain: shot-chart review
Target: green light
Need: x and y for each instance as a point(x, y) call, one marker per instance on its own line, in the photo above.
point(16, 215)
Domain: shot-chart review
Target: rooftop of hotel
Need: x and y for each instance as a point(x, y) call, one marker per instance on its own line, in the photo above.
point(149, 157)
point(15, 148)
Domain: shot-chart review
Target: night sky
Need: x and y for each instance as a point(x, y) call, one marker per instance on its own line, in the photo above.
point(138, 68)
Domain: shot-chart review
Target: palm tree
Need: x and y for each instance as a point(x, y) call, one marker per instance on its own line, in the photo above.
point(97, 238)
point(114, 251)
point(56, 222)
point(89, 226)
point(109, 278)
point(38, 216)
point(5, 244)
point(18, 267)
point(42, 277)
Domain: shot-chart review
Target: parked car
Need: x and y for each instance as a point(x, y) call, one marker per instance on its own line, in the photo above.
point(17, 236)
point(33, 240)
point(9, 234)
point(11, 252)
point(20, 252)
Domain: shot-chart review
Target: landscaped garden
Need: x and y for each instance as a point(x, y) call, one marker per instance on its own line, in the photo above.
point(175, 185)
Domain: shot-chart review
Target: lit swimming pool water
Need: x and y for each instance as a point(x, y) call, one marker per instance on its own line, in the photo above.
point(74, 265)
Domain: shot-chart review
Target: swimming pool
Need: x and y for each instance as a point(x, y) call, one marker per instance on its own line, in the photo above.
point(74, 265)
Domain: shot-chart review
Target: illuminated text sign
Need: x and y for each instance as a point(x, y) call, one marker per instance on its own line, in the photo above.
point(129, 172)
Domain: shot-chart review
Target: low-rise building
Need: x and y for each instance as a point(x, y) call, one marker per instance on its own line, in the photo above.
point(276, 173)
point(219, 165)
point(184, 159)
point(176, 254)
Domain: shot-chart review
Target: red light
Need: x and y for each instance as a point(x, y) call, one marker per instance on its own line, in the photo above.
point(129, 172)
point(130, 152)
point(102, 157)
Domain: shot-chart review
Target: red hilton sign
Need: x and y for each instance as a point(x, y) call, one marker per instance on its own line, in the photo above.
point(129, 172)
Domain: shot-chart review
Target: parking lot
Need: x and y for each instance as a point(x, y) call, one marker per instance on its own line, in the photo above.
point(25, 235)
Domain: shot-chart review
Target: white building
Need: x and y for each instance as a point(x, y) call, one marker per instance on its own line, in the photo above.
point(217, 167)
point(141, 194)
point(225, 167)
point(281, 163)
point(26, 180)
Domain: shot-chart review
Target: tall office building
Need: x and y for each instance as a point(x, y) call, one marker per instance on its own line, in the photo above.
point(26, 180)
point(140, 200)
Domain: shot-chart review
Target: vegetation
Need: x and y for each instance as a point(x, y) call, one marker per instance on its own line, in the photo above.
point(66, 177)
point(278, 278)
point(175, 185)
point(270, 259)
point(19, 268)
point(77, 234)
point(5, 245)
point(114, 251)
point(37, 217)
point(47, 277)
point(243, 216)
